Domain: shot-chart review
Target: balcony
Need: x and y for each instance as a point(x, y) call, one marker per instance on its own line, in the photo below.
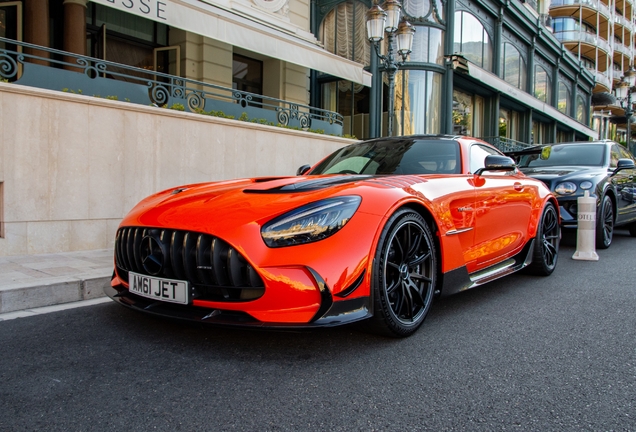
point(602, 79)
point(621, 20)
point(617, 75)
point(63, 71)
point(591, 5)
point(622, 49)
point(591, 40)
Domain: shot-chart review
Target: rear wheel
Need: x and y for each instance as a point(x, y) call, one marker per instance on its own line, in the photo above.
point(546, 243)
point(404, 276)
point(605, 224)
point(632, 229)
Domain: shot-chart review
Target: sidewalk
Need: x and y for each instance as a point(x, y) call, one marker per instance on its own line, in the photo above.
point(33, 281)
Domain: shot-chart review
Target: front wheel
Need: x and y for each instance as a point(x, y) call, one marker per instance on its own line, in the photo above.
point(605, 224)
point(404, 275)
point(546, 243)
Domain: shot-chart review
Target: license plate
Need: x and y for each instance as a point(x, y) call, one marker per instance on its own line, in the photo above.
point(169, 290)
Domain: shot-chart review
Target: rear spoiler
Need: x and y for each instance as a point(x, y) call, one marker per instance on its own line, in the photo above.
point(526, 151)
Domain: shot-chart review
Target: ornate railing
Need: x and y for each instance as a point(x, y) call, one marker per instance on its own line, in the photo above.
point(64, 71)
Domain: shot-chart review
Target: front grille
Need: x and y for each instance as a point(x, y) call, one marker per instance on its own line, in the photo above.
point(214, 269)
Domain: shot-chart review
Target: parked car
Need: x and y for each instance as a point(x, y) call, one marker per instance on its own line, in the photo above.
point(372, 232)
point(604, 168)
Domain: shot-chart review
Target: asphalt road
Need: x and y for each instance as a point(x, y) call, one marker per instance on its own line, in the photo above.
point(522, 353)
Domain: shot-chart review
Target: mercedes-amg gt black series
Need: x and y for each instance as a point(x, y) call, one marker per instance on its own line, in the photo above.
point(604, 168)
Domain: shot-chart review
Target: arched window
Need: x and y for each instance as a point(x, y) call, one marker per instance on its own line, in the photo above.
point(513, 67)
point(580, 109)
point(564, 97)
point(542, 84)
point(472, 40)
point(343, 32)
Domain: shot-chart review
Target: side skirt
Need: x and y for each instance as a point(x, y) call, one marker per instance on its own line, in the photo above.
point(459, 280)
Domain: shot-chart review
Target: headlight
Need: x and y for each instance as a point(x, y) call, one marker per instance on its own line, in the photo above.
point(585, 185)
point(566, 188)
point(310, 223)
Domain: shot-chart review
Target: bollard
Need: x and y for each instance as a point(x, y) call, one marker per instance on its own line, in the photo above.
point(586, 229)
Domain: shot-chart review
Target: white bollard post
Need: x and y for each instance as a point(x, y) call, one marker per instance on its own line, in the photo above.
point(586, 229)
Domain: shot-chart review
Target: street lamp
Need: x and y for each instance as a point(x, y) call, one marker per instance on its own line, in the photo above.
point(386, 19)
point(624, 92)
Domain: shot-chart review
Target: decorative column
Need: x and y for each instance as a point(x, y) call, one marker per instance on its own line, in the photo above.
point(74, 29)
point(36, 28)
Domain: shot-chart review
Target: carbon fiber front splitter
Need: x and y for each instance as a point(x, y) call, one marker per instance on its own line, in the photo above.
point(339, 313)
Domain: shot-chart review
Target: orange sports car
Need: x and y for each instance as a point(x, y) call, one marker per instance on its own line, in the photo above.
point(372, 232)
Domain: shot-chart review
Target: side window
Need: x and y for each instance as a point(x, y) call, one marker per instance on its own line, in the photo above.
point(624, 153)
point(478, 155)
point(616, 155)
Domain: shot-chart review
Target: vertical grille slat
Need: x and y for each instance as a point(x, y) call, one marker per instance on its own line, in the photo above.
point(126, 249)
point(234, 263)
point(166, 236)
point(137, 238)
point(189, 256)
point(254, 278)
point(214, 269)
point(118, 246)
point(204, 260)
point(219, 262)
point(176, 254)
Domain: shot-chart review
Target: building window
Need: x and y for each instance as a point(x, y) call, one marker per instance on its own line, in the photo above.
point(540, 133)
point(542, 84)
point(424, 11)
point(428, 45)
point(472, 41)
point(123, 38)
point(463, 110)
point(509, 122)
point(468, 114)
point(563, 104)
point(513, 67)
point(418, 102)
point(247, 74)
point(581, 116)
point(343, 32)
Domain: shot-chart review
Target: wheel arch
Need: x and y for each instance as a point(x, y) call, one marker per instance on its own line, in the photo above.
point(426, 213)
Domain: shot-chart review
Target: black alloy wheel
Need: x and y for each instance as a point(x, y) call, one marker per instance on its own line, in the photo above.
point(546, 244)
point(605, 223)
point(405, 274)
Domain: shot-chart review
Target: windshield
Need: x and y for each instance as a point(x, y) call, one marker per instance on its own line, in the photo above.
point(560, 155)
point(409, 156)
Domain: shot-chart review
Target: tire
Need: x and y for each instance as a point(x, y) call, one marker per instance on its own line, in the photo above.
point(546, 244)
point(404, 275)
point(605, 223)
point(632, 229)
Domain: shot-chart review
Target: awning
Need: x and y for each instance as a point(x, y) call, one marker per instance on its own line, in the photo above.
point(246, 32)
point(496, 83)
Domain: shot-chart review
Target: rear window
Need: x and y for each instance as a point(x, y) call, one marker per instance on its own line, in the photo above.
point(560, 155)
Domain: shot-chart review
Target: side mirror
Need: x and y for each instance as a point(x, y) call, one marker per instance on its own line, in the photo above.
point(303, 169)
point(624, 164)
point(497, 163)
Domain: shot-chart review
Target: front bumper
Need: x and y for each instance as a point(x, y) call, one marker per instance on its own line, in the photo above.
point(333, 313)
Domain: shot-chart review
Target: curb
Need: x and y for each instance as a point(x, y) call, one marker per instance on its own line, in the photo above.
point(65, 291)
